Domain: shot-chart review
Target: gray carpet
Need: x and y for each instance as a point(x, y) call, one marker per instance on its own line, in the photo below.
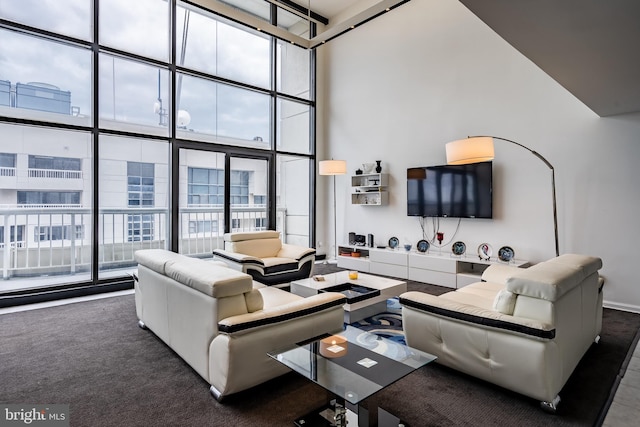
point(92, 356)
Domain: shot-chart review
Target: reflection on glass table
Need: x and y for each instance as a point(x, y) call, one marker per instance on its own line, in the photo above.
point(352, 364)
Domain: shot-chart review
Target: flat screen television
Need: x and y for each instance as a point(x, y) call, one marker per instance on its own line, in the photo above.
point(456, 191)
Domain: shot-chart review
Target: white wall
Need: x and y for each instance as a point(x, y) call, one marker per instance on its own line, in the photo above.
point(401, 86)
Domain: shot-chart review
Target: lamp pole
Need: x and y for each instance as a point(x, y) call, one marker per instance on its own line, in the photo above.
point(333, 168)
point(553, 182)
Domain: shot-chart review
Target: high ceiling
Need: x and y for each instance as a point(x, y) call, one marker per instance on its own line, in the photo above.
point(590, 47)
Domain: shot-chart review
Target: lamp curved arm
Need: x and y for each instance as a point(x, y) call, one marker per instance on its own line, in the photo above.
point(553, 181)
point(535, 153)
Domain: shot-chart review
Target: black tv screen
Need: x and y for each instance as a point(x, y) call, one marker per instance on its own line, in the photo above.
point(456, 191)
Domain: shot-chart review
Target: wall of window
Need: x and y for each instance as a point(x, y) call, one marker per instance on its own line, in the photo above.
point(93, 114)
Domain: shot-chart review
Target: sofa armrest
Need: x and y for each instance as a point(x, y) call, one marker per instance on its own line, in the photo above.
point(237, 257)
point(294, 252)
point(304, 307)
point(466, 313)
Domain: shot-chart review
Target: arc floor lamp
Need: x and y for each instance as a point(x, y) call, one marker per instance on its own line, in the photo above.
point(480, 149)
point(333, 168)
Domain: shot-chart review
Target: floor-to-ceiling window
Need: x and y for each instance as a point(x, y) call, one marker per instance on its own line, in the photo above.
point(116, 116)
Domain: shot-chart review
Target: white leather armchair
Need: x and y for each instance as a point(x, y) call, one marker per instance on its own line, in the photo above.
point(262, 255)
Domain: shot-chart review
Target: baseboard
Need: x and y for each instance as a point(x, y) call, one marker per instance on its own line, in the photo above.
point(620, 306)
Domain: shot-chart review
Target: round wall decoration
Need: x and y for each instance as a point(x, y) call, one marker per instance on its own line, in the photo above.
point(423, 246)
point(485, 251)
point(458, 248)
point(506, 254)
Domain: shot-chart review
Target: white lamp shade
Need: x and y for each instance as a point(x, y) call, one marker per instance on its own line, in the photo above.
point(332, 167)
point(470, 150)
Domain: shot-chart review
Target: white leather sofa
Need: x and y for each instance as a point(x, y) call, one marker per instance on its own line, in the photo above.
point(263, 255)
point(522, 329)
point(221, 322)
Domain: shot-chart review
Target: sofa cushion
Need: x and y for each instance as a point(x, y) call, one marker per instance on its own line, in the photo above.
point(498, 273)
point(469, 299)
point(504, 302)
point(294, 252)
point(275, 297)
point(209, 278)
point(254, 300)
point(259, 248)
point(547, 280)
point(155, 259)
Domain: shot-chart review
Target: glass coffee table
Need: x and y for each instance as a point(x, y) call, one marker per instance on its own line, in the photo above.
point(352, 364)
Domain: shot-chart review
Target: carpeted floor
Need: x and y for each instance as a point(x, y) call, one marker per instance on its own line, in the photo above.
point(93, 356)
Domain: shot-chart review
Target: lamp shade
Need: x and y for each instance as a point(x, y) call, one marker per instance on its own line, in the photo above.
point(470, 150)
point(332, 167)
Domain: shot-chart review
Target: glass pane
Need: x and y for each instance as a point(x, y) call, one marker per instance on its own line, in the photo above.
point(258, 8)
point(293, 199)
point(133, 96)
point(140, 26)
point(293, 65)
point(249, 179)
point(131, 218)
point(44, 80)
point(293, 23)
point(223, 114)
point(68, 17)
point(37, 205)
point(201, 207)
point(218, 47)
point(293, 127)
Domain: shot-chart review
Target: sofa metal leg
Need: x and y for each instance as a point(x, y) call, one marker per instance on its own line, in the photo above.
point(551, 407)
point(142, 325)
point(216, 393)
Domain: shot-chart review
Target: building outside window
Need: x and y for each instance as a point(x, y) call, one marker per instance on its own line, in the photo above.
point(16, 235)
point(205, 187)
point(59, 232)
point(7, 164)
point(49, 198)
point(140, 188)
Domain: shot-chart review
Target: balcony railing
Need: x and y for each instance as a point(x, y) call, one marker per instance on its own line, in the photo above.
point(57, 240)
point(7, 171)
point(54, 173)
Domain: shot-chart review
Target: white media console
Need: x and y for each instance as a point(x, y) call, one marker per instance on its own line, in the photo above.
point(444, 269)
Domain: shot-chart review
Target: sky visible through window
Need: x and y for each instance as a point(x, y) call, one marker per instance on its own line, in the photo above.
point(129, 89)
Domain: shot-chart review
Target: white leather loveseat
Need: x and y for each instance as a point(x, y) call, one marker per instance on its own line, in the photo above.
point(522, 329)
point(221, 322)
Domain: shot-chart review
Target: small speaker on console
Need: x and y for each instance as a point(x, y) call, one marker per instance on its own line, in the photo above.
point(370, 240)
point(352, 238)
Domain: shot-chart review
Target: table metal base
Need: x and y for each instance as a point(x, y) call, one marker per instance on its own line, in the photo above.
point(335, 414)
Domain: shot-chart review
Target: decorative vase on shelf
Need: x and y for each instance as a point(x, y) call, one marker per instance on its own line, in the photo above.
point(378, 167)
point(440, 237)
